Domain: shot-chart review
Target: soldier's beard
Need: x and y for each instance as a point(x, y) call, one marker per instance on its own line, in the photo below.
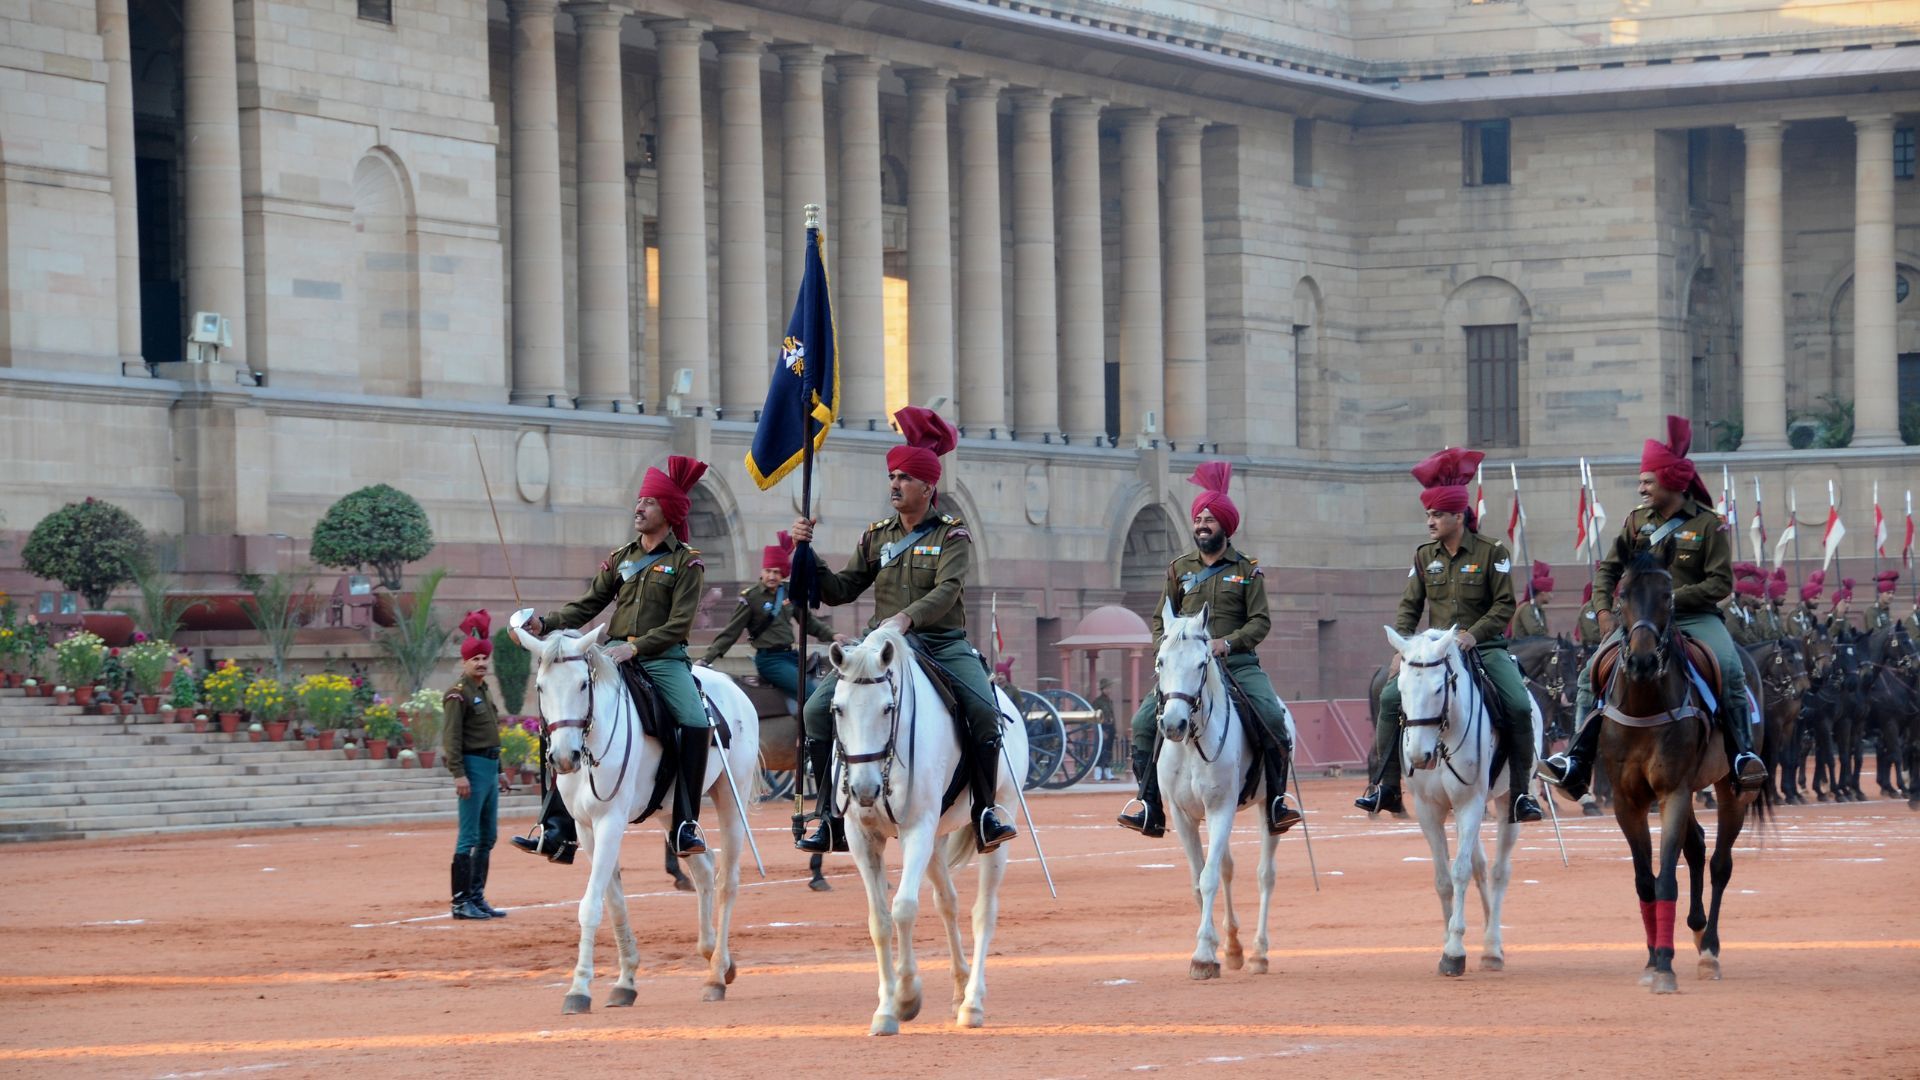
point(1210, 543)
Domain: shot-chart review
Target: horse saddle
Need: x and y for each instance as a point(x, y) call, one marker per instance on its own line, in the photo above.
point(1260, 742)
point(655, 718)
point(1703, 671)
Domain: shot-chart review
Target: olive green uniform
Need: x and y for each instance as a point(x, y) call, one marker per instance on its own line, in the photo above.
point(1880, 616)
point(655, 595)
point(1471, 590)
point(470, 745)
point(1774, 626)
point(927, 581)
point(1702, 571)
point(1235, 597)
point(766, 617)
point(1531, 621)
point(1742, 626)
point(1806, 620)
point(1589, 631)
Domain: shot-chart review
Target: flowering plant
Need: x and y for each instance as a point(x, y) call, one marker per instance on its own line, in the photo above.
point(223, 687)
point(326, 698)
point(266, 699)
point(516, 746)
point(183, 690)
point(146, 662)
point(81, 657)
point(381, 722)
point(425, 717)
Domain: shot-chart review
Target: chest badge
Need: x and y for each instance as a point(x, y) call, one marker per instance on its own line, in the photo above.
point(1503, 566)
point(1436, 566)
point(627, 570)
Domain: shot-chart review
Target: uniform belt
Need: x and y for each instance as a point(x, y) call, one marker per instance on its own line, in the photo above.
point(488, 752)
point(776, 649)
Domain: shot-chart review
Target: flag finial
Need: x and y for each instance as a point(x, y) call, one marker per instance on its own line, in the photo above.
point(813, 215)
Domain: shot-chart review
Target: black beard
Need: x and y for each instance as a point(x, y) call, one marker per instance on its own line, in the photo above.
point(1211, 544)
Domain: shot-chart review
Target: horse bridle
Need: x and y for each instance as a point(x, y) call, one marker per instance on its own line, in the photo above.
point(1440, 721)
point(585, 724)
point(1668, 640)
point(888, 754)
point(1197, 704)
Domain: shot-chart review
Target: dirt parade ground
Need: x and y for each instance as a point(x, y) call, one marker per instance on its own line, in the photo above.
point(329, 953)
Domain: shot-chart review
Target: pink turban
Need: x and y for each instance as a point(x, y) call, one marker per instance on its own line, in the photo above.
point(1215, 476)
point(1750, 587)
point(1668, 461)
point(778, 556)
point(1810, 591)
point(1885, 581)
point(1542, 580)
point(1845, 591)
point(477, 626)
point(1446, 475)
point(927, 435)
point(1777, 585)
point(673, 490)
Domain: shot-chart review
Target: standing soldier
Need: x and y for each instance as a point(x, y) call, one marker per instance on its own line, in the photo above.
point(1589, 629)
point(1532, 619)
point(1464, 581)
point(1110, 735)
point(470, 740)
point(916, 562)
point(765, 615)
point(654, 584)
point(1884, 583)
point(1233, 590)
point(1675, 504)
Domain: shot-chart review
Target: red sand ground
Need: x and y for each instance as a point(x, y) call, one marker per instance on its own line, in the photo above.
point(328, 953)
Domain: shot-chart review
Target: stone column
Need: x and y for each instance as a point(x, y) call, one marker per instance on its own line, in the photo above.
point(605, 365)
point(111, 18)
point(1186, 286)
point(1083, 327)
point(1141, 337)
point(1036, 353)
point(1876, 363)
point(746, 353)
point(982, 323)
point(1763, 320)
point(538, 288)
point(929, 242)
point(856, 244)
point(803, 159)
point(216, 251)
point(682, 210)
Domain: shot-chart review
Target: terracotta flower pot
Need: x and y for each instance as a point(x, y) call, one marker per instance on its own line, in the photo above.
point(377, 749)
point(255, 736)
point(202, 725)
point(229, 723)
point(108, 708)
point(427, 758)
point(352, 752)
point(327, 736)
point(150, 704)
point(63, 698)
point(83, 696)
point(409, 762)
point(276, 730)
point(313, 743)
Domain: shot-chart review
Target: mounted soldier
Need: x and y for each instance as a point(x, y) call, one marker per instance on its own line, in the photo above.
point(1231, 588)
point(1772, 615)
point(1531, 621)
point(917, 563)
point(1840, 609)
point(1677, 509)
point(1749, 595)
point(1881, 615)
point(1588, 631)
point(1461, 580)
point(654, 583)
point(1806, 618)
point(765, 615)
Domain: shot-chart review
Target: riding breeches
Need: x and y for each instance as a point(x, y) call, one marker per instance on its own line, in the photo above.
point(1245, 668)
point(954, 653)
point(480, 809)
point(780, 669)
point(1705, 628)
point(1516, 703)
point(672, 678)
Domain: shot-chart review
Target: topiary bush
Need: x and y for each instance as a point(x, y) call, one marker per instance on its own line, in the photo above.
point(378, 526)
point(511, 667)
point(91, 547)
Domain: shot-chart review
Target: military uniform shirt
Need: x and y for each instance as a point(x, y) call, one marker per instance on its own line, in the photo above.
point(1531, 621)
point(1589, 631)
point(1880, 617)
point(1702, 565)
point(927, 581)
point(654, 602)
point(1470, 590)
point(472, 724)
point(1235, 598)
point(775, 626)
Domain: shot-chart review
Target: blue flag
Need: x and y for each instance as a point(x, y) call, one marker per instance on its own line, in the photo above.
point(806, 379)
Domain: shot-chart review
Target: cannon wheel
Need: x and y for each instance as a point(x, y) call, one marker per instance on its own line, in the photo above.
point(1086, 742)
point(1046, 738)
point(779, 783)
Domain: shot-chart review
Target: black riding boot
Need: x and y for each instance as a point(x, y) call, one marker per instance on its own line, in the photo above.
point(463, 905)
point(830, 834)
point(1151, 821)
point(687, 789)
point(1384, 794)
point(1572, 771)
point(989, 831)
point(482, 862)
point(558, 840)
point(1280, 815)
point(1749, 772)
point(1521, 805)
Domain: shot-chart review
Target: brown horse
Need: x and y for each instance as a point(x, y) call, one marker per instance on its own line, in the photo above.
point(1658, 747)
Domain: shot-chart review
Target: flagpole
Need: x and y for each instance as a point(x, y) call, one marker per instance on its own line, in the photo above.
point(807, 583)
point(1733, 512)
point(1793, 522)
point(1520, 523)
point(1874, 540)
point(1593, 542)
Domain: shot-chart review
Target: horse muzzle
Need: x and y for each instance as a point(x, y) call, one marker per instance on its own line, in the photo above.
point(565, 763)
point(864, 785)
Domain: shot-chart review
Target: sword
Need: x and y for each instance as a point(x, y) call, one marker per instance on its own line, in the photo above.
point(1305, 832)
point(1028, 814)
point(746, 826)
point(1554, 812)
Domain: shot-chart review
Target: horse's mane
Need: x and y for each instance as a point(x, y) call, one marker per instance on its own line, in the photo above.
point(1645, 561)
point(862, 661)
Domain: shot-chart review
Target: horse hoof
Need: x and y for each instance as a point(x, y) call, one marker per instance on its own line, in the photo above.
point(820, 884)
point(1202, 970)
point(622, 997)
point(911, 1009)
point(713, 993)
point(1453, 966)
point(971, 1018)
point(1236, 959)
point(1646, 975)
point(1257, 966)
point(1493, 963)
point(884, 1025)
point(1913, 804)
point(575, 1004)
point(1664, 982)
point(1710, 968)
point(683, 884)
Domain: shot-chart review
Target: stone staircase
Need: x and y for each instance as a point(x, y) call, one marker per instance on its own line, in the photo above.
point(65, 774)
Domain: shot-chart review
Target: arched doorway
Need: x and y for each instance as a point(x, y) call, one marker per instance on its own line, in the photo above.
point(1152, 543)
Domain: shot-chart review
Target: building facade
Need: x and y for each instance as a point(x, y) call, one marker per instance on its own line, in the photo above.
point(1319, 238)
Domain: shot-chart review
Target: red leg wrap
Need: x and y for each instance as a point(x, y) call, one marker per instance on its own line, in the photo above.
point(1663, 924)
point(1646, 916)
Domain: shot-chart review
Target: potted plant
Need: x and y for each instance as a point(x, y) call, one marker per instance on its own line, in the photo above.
point(255, 732)
point(222, 690)
point(92, 548)
point(181, 694)
point(425, 716)
point(82, 657)
point(12, 647)
point(383, 728)
point(351, 751)
point(408, 759)
point(516, 748)
point(327, 701)
point(62, 696)
point(266, 700)
point(147, 663)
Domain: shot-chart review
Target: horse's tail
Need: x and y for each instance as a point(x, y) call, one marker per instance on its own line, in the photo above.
point(960, 848)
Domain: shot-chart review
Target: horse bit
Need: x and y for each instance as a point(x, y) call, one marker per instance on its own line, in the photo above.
point(585, 724)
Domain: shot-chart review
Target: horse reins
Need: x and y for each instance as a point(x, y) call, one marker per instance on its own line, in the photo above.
point(585, 724)
point(1197, 704)
point(887, 754)
point(1440, 721)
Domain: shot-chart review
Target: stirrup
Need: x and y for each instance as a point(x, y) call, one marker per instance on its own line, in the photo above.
point(1145, 826)
point(699, 846)
point(1286, 817)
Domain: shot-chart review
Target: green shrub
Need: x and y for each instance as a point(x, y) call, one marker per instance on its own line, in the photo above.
point(378, 526)
point(91, 547)
point(511, 666)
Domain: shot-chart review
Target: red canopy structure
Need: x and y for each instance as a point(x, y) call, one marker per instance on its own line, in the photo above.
point(1104, 629)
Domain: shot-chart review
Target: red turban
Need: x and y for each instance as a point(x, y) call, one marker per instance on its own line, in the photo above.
point(477, 626)
point(673, 490)
point(1446, 475)
point(1005, 667)
point(1845, 591)
point(1885, 581)
point(1810, 591)
point(1668, 461)
point(778, 556)
point(1777, 585)
point(1748, 570)
point(1542, 579)
point(927, 435)
point(1215, 476)
point(1749, 587)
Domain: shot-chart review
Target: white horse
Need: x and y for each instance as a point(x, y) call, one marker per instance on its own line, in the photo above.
point(897, 752)
point(605, 766)
point(1446, 745)
point(1203, 766)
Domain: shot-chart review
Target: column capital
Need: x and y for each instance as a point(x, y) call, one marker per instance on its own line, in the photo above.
point(1027, 98)
point(801, 55)
point(977, 89)
point(925, 80)
point(677, 31)
point(1137, 118)
point(1082, 106)
point(1186, 126)
point(599, 13)
point(519, 8)
point(1762, 130)
point(746, 42)
point(858, 66)
point(1876, 121)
